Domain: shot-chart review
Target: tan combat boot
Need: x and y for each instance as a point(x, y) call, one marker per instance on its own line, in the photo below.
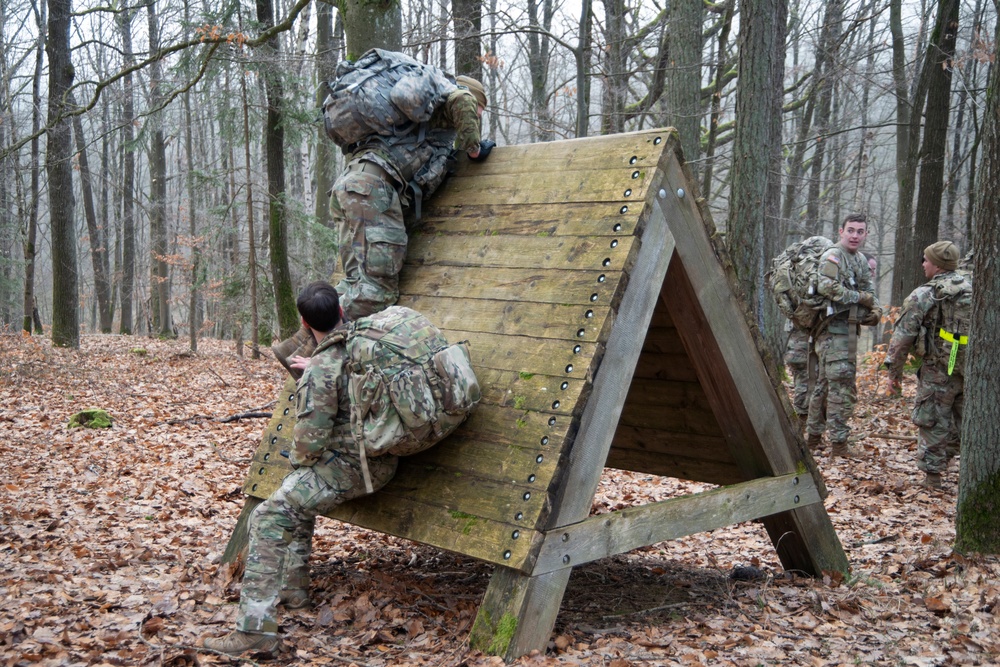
point(814, 441)
point(295, 598)
point(843, 450)
point(238, 642)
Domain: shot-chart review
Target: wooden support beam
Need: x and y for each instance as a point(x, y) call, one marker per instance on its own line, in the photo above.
point(617, 532)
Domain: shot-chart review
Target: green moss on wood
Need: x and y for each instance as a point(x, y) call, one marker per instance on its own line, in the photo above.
point(503, 635)
point(976, 527)
point(524, 375)
point(491, 638)
point(90, 419)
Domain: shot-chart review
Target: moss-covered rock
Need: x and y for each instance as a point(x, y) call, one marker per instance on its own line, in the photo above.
point(93, 418)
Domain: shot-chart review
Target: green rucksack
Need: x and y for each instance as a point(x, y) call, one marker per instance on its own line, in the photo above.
point(408, 387)
point(953, 296)
point(793, 278)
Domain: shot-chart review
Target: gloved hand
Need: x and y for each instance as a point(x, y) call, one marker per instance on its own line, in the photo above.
point(872, 318)
point(485, 147)
point(866, 299)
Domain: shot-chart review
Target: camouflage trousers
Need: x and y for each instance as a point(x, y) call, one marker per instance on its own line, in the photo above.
point(937, 413)
point(281, 531)
point(797, 360)
point(371, 235)
point(835, 394)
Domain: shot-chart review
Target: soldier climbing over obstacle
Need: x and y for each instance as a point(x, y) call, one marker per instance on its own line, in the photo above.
point(392, 168)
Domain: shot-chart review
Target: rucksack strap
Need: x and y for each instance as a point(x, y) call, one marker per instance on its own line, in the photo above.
point(852, 333)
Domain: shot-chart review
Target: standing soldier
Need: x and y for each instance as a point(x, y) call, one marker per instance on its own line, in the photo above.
point(934, 321)
point(845, 281)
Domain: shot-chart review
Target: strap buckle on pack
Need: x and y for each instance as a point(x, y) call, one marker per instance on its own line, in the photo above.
point(956, 340)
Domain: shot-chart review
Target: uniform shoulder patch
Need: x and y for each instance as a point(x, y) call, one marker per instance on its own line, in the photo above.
point(831, 267)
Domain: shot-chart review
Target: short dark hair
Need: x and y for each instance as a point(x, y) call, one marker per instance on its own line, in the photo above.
point(855, 217)
point(319, 305)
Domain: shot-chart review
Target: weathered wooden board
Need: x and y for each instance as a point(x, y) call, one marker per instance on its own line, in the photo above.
point(516, 318)
point(543, 220)
point(533, 285)
point(608, 534)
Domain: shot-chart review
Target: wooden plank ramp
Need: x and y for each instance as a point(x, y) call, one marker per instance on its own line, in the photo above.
point(605, 333)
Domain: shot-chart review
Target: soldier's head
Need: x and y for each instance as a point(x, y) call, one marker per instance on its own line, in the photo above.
point(853, 231)
point(474, 87)
point(940, 257)
point(319, 306)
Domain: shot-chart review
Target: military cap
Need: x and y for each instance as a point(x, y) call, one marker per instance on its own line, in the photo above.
point(943, 254)
point(474, 87)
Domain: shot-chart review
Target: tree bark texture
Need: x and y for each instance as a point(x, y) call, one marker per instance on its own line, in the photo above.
point(59, 167)
point(274, 141)
point(683, 89)
point(159, 269)
point(977, 528)
point(96, 230)
point(371, 24)
point(754, 197)
point(932, 153)
point(39, 10)
point(128, 177)
point(468, 20)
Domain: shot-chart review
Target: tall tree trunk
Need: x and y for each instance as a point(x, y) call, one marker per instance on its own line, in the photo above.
point(251, 233)
point(39, 10)
point(582, 56)
point(755, 192)
point(274, 141)
point(539, 53)
point(616, 77)
point(935, 144)
point(58, 166)
point(976, 526)
point(372, 24)
point(468, 20)
point(97, 231)
point(716, 106)
point(829, 46)
point(906, 272)
point(126, 326)
point(326, 64)
point(684, 76)
point(159, 269)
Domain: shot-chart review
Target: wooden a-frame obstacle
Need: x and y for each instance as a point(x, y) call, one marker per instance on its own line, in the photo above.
point(605, 333)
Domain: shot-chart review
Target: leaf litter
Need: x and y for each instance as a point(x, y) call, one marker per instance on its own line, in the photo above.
point(111, 539)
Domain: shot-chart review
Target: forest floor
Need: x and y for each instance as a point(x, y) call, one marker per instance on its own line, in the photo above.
point(110, 543)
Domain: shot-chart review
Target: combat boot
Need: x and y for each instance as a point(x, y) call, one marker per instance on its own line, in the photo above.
point(238, 642)
point(814, 441)
point(843, 450)
point(932, 480)
point(295, 598)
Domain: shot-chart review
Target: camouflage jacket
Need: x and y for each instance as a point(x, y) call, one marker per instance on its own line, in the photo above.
point(916, 322)
point(322, 406)
point(842, 278)
point(455, 124)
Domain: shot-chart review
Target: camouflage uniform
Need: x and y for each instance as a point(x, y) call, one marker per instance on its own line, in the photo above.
point(940, 397)
point(843, 276)
point(328, 473)
point(383, 178)
point(797, 359)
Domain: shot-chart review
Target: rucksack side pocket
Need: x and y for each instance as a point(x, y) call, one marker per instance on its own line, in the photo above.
point(375, 422)
point(459, 385)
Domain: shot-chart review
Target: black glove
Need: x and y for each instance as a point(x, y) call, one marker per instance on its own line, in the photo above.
point(485, 148)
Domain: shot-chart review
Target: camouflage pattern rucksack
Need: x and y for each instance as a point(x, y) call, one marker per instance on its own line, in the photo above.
point(793, 279)
point(953, 296)
point(408, 387)
point(385, 93)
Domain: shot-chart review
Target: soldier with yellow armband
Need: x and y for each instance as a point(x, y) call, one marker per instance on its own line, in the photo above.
point(934, 322)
